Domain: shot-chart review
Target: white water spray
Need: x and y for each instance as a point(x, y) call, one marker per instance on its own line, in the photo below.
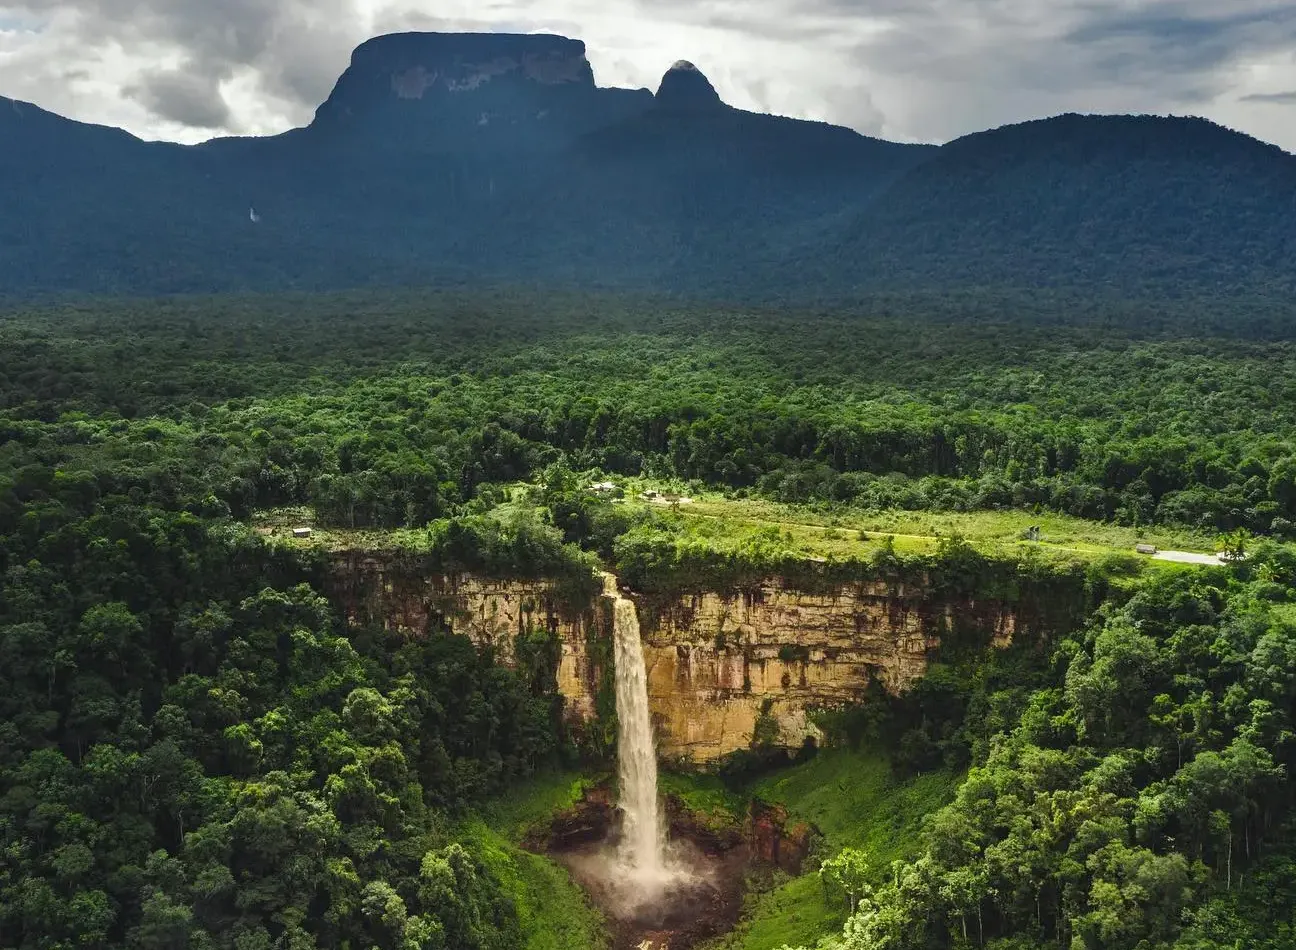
point(643, 840)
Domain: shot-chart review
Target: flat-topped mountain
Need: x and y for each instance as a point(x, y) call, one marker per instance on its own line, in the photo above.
point(496, 157)
point(472, 90)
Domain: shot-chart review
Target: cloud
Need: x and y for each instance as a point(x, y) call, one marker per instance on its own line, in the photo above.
point(925, 70)
point(183, 96)
point(1183, 44)
point(1280, 98)
point(165, 62)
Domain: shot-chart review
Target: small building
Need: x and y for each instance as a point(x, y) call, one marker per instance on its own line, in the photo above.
point(603, 488)
point(1145, 548)
point(301, 532)
point(651, 494)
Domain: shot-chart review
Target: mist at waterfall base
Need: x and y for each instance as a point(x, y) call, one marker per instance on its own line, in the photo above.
point(639, 876)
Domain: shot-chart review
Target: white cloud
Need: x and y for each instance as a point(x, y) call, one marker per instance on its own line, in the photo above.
point(925, 70)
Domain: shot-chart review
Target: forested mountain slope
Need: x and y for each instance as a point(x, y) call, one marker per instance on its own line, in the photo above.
point(1125, 201)
point(446, 157)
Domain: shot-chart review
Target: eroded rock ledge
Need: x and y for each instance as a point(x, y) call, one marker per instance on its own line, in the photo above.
point(716, 660)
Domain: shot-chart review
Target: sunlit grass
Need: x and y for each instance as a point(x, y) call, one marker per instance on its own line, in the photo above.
point(925, 528)
point(855, 801)
point(814, 532)
point(706, 796)
point(554, 913)
point(843, 533)
point(531, 803)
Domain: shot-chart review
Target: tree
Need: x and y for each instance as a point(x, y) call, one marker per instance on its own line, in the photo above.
point(1235, 543)
point(846, 875)
point(165, 924)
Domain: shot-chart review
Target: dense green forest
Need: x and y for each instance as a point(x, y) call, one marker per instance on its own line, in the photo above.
point(395, 412)
point(196, 750)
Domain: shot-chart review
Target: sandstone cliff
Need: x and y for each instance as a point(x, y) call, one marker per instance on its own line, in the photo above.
point(399, 594)
point(716, 661)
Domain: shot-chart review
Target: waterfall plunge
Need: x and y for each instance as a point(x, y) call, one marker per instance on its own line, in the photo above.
point(653, 887)
point(648, 866)
point(643, 841)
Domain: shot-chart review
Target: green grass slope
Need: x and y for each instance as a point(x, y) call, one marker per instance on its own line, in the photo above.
point(857, 802)
point(553, 911)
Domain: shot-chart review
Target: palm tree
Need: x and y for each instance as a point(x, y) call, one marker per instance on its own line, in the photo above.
point(1234, 544)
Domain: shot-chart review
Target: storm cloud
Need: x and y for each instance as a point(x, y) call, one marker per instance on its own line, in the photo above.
point(914, 70)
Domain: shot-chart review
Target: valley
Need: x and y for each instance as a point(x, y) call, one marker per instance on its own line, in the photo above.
point(761, 829)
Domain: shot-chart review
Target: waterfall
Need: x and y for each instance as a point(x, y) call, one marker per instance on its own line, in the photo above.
point(650, 885)
point(643, 839)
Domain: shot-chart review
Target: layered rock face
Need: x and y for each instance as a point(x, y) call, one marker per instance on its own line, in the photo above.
point(716, 662)
point(399, 595)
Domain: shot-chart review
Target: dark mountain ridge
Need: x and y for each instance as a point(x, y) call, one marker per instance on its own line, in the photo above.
point(1122, 200)
point(497, 157)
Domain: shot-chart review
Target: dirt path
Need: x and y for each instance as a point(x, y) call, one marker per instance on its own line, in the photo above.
point(1187, 557)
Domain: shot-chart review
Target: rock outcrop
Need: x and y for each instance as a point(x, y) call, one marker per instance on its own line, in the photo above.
point(397, 593)
point(685, 89)
point(717, 662)
point(418, 66)
point(777, 840)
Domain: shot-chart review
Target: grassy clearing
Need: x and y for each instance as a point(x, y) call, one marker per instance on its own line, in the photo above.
point(277, 524)
point(553, 911)
point(535, 802)
point(813, 531)
point(857, 802)
point(843, 532)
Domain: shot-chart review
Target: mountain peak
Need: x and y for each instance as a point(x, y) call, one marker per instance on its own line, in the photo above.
point(410, 68)
point(685, 88)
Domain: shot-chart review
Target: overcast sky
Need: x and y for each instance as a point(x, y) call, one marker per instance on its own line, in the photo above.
point(913, 70)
